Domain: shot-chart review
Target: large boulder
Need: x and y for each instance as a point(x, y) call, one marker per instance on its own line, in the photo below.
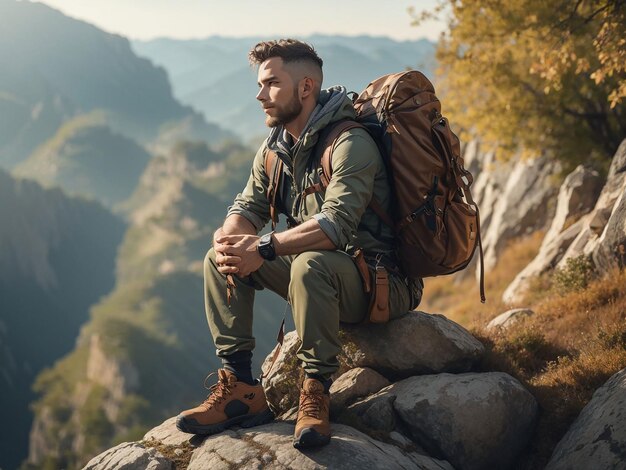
point(415, 343)
point(268, 447)
point(597, 439)
point(474, 421)
point(523, 204)
point(577, 196)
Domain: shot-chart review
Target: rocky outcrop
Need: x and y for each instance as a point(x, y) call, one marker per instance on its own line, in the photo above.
point(603, 231)
point(585, 224)
point(577, 196)
point(518, 205)
point(597, 439)
point(515, 198)
point(443, 420)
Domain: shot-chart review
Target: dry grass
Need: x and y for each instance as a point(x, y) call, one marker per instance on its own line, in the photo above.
point(575, 341)
point(567, 350)
point(457, 296)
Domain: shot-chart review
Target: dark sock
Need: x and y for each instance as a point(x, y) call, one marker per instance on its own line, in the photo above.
point(320, 378)
point(240, 364)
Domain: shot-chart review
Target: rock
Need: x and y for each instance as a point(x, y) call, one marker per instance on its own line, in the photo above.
point(270, 447)
point(474, 160)
point(577, 197)
point(548, 256)
point(610, 251)
point(592, 235)
point(167, 433)
point(415, 343)
point(282, 387)
point(597, 439)
point(474, 421)
point(519, 206)
point(129, 456)
point(508, 318)
point(356, 383)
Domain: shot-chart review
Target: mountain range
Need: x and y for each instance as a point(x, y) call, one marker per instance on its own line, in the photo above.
point(55, 68)
point(213, 76)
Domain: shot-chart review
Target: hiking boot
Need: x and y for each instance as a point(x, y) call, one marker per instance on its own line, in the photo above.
point(230, 402)
point(313, 424)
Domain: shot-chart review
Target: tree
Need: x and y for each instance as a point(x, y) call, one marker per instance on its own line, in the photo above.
point(535, 75)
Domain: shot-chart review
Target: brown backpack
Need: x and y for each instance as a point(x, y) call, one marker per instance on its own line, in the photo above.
point(436, 221)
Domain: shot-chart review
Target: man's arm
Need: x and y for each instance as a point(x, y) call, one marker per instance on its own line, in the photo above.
point(252, 202)
point(305, 237)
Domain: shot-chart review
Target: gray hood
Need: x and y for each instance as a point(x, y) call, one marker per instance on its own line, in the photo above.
point(333, 105)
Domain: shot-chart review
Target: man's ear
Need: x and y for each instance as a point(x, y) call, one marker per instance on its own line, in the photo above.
point(306, 87)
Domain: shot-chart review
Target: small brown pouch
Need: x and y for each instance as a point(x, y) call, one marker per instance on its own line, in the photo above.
point(379, 310)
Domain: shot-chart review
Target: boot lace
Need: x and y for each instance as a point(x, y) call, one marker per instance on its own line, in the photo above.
point(311, 404)
point(218, 392)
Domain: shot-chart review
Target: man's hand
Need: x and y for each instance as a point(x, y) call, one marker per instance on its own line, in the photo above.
point(237, 254)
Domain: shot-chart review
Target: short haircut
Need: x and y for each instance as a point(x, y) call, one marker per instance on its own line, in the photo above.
point(290, 50)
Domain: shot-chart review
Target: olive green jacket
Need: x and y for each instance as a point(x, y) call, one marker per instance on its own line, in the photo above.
point(358, 174)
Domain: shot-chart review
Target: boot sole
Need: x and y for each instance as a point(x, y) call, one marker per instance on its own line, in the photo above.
point(308, 438)
point(245, 421)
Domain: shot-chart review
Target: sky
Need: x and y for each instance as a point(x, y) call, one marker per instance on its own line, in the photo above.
point(186, 19)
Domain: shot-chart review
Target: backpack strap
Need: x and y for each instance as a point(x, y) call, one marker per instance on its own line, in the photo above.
point(274, 170)
point(327, 167)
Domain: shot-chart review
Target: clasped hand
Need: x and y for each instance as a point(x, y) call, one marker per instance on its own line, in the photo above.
point(237, 254)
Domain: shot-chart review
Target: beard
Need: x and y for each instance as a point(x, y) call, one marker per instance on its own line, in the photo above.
point(285, 114)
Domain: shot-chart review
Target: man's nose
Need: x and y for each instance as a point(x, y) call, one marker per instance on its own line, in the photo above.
point(262, 94)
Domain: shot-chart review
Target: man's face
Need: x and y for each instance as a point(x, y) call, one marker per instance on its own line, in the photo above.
point(278, 93)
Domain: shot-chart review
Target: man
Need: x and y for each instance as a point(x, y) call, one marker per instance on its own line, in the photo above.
point(309, 264)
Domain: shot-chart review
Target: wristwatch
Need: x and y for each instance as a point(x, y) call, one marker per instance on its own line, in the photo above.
point(266, 247)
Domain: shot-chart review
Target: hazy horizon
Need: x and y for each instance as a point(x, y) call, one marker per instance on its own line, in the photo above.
point(197, 19)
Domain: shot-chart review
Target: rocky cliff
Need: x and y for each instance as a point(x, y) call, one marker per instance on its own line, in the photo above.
point(44, 292)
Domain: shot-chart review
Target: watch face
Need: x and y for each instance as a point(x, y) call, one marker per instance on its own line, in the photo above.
point(266, 247)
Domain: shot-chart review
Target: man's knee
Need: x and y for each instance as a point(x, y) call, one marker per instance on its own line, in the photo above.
point(209, 260)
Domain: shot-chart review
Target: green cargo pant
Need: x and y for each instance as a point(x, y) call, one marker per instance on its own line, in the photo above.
point(323, 288)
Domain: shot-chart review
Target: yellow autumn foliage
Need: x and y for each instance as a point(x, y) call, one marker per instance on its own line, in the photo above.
point(535, 75)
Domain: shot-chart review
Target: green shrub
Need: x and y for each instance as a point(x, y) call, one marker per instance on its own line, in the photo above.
point(576, 274)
